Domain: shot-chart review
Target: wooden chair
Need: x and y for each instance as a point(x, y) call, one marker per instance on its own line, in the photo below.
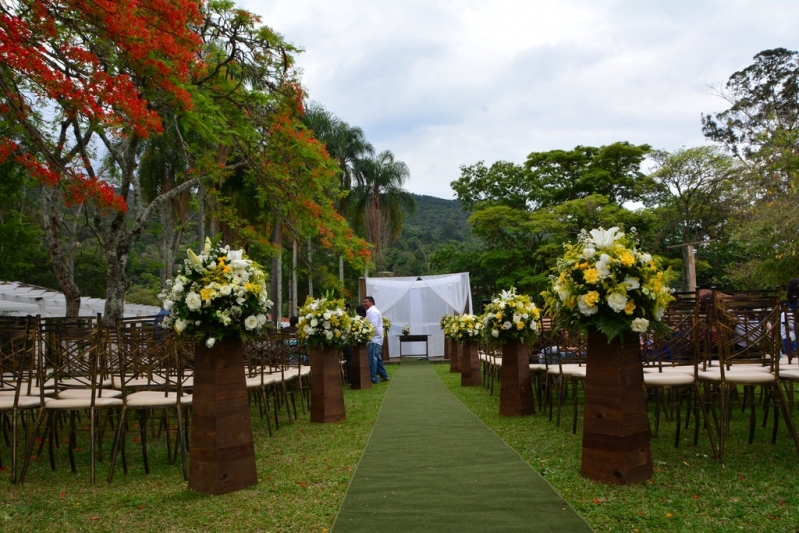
point(748, 348)
point(150, 371)
point(18, 343)
point(74, 357)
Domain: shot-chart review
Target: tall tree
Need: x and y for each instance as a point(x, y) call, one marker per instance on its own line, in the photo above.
point(761, 128)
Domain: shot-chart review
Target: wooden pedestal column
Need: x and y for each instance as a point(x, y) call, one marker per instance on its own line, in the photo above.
point(516, 387)
point(359, 368)
point(616, 428)
point(384, 350)
point(327, 393)
point(455, 356)
point(222, 456)
point(447, 349)
point(470, 366)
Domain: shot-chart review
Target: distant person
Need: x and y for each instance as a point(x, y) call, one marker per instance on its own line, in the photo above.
point(788, 332)
point(375, 346)
point(293, 321)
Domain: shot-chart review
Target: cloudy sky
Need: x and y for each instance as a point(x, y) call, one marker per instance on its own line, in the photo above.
point(445, 83)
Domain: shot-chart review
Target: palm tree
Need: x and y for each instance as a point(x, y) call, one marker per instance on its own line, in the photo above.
point(347, 145)
point(380, 203)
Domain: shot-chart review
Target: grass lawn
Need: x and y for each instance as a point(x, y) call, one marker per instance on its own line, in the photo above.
point(304, 470)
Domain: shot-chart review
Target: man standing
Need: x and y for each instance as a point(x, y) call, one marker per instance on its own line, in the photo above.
point(375, 346)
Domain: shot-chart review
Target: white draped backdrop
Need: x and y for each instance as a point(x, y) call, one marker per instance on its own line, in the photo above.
point(420, 302)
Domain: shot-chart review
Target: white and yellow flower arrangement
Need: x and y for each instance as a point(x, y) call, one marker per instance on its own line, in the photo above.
point(360, 331)
point(603, 281)
point(324, 322)
point(386, 324)
point(217, 294)
point(466, 328)
point(511, 316)
point(406, 330)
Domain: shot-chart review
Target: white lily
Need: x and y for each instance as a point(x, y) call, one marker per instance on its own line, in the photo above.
point(604, 238)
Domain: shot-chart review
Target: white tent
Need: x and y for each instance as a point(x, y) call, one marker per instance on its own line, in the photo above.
point(20, 299)
point(420, 302)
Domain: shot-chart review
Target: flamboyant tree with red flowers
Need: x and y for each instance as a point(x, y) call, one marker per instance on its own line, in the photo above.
point(88, 85)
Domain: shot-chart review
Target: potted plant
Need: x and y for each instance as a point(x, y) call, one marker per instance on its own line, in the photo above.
point(324, 326)
point(513, 321)
point(603, 285)
point(218, 298)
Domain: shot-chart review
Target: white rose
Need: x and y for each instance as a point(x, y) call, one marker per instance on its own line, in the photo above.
point(645, 258)
point(168, 304)
point(617, 301)
point(261, 319)
point(494, 333)
point(251, 322)
point(180, 325)
point(640, 325)
point(631, 283)
point(210, 342)
point(225, 290)
point(506, 325)
point(193, 301)
point(328, 334)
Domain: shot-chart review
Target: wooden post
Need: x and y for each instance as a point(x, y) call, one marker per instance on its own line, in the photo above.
point(359, 367)
point(516, 387)
point(470, 366)
point(616, 429)
point(447, 349)
point(222, 457)
point(327, 392)
point(455, 357)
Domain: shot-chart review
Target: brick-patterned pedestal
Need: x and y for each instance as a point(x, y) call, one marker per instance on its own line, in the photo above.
point(516, 387)
point(360, 377)
point(222, 456)
point(455, 352)
point(327, 392)
point(616, 429)
point(470, 366)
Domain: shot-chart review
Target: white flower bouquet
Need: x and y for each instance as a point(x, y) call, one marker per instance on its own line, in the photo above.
point(511, 316)
point(324, 322)
point(465, 328)
point(386, 324)
point(406, 330)
point(604, 281)
point(360, 331)
point(219, 293)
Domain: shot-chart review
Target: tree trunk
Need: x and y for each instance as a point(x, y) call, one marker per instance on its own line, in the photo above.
point(310, 268)
point(62, 256)
point(277, 274)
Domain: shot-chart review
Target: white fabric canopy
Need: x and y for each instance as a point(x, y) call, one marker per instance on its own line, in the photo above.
point(20, 299)
point(420, 302)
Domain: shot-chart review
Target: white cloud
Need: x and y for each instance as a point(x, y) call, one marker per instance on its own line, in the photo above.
point(444, 83)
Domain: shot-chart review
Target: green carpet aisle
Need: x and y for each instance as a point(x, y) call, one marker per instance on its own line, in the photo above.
point(431, 465)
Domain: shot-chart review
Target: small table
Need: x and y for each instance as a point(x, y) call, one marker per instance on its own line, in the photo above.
point(414, 338)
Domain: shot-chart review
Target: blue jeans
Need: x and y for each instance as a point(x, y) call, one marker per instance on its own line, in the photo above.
point(376, 366)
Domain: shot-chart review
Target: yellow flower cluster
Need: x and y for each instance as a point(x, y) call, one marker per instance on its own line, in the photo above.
point(511, 316)
point(603, 281)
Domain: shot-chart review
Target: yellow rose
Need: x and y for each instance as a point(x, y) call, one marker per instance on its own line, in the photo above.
point(205, 294)
point(591, 298)
point(591, 275)
point(630, 307)
point(626, 258)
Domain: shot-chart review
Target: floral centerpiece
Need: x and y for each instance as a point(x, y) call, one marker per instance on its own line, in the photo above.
point(511, 316)
point(406, 330)
point(445, 323)
point(217, 294)
point(466, 328)
point(386, 324)
point(323, 322)
point(360, 331)
point(604, 281)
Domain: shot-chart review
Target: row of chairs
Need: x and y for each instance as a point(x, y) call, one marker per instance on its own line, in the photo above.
point(56, 373)
point(723, 350)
